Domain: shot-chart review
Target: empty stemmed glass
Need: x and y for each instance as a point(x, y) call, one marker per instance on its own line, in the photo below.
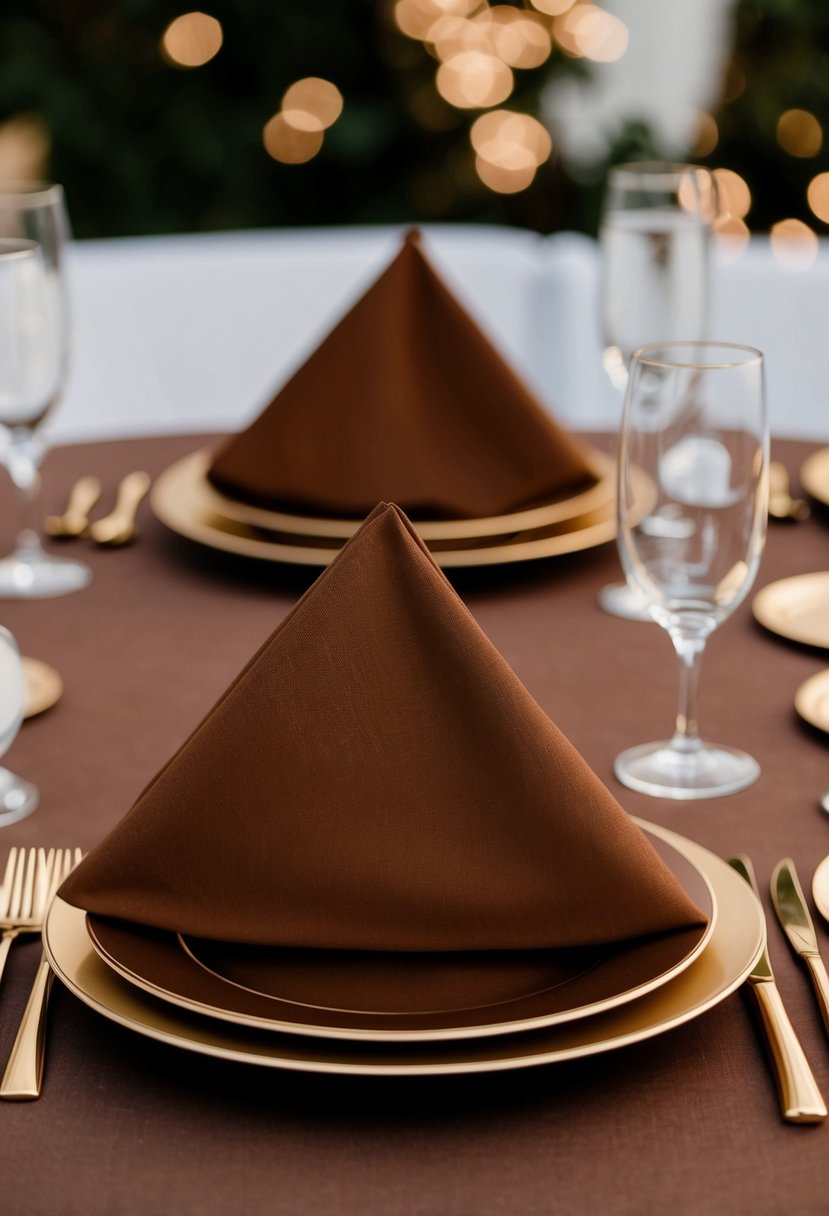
point(34, 343)
point(655, 244)
point(18, 798)
point(695, 422)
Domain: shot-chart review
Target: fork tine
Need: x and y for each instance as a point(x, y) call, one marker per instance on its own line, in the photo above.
point(28, 884)
point(46, 865)
point(16, 901)
point(8, 879)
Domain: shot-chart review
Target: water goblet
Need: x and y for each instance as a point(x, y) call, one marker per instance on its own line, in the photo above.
point(34, 343)
point(695, 422)
point(18, 798)
point(655, 244)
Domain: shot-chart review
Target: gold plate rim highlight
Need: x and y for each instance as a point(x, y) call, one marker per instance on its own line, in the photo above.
point(194, 468)
point(145, 961)
point(814, 476)
point(812, 701)
point(43, 684)
point(734, 947)
point(779, 607)
point(183, 508)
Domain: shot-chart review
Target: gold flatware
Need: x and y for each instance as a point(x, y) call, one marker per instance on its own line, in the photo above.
point(23, 1078)
point(23, 895)
point(800, 1099)
point(794, 916)
point(119, 527)
point(820, 884)
point(75, 519)
point(781, 504)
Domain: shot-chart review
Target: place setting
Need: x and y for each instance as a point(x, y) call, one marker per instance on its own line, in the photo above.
point(412, 929)
point(405, 400)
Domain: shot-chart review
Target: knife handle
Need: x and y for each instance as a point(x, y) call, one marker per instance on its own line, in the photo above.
point(800, 1098)
point(821, 984)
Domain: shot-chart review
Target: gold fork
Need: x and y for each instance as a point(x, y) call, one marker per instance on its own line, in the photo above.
point(23, 1077)
point(23, 895)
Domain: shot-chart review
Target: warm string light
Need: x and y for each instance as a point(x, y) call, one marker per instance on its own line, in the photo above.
point(793, 244)
point(817, 195)
point(295, 133)
point(799, 133)
point(480, 45)
point(191, 40)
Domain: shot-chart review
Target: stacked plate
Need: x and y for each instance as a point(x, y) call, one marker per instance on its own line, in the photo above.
point(298, 1009)
point(185, 501)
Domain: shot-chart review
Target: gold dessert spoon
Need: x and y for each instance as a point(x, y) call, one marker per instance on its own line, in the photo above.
point(119, 527)
point(75, 519)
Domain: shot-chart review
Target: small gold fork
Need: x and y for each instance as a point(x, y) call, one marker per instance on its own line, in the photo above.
point(23, 1077)
point(23, 895)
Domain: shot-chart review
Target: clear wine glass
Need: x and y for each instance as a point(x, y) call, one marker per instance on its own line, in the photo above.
point(695, 422)
point(34, 345)
point(18, 798)
point(655, 244)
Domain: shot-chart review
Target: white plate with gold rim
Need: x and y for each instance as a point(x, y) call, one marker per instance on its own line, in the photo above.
point(814, 476)
point(735, 944)
point(812, 701)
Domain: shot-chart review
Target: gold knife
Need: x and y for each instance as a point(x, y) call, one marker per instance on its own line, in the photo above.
point(790, 906)
point(800, 1099)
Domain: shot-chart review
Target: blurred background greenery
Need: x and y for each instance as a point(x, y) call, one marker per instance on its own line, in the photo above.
point(157, 119)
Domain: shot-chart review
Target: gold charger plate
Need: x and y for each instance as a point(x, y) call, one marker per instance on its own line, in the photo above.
point(796, 608)
point(184, 505)
point(192, 473)
point(43, 685)
point(382, 997)
point(814, 476)
point(738, 937)
point(812, 700)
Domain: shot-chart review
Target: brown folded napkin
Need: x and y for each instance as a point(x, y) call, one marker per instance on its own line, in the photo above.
point(405, 400)
point(377, 778)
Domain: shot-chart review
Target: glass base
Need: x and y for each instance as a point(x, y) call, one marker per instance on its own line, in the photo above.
point(619, 599)
point(663, 771)
point(18, 798)
point(33, 574)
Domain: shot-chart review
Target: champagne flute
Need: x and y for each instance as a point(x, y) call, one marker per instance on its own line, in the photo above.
point(695, 422)
point(34, 343)
point(18, 798)
point(655, 243)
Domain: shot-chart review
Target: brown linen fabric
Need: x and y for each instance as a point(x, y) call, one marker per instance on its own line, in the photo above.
point(406, 400)
point(377, 778)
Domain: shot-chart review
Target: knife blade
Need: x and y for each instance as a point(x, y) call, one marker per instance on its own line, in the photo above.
point(793, 914)
point(800, 1099)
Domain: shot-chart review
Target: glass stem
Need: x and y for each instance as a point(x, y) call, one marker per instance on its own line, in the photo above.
point(689, 651)
point(23, 458)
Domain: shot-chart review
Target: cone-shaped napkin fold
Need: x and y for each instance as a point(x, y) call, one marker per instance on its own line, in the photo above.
point(377, 778)
point(405, 400)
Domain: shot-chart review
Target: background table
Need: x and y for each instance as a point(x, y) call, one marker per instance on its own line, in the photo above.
point(685, 1123)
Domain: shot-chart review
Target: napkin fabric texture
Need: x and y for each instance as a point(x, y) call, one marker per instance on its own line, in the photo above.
point(377, 778)
point(405, 400)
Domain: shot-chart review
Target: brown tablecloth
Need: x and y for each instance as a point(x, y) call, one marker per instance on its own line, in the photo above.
point(686, 1123)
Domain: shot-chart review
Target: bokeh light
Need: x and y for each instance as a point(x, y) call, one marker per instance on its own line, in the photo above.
point(817, 195)
point(588, 32)
point(192, 40)
point(502, 179)
point(289, 145)
point(794, 244)
point(553, 8)
point(799, 133)
point(473, 80)
point(510, 140)
point(312, 104)
point(734, 193)
point(519, 38)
